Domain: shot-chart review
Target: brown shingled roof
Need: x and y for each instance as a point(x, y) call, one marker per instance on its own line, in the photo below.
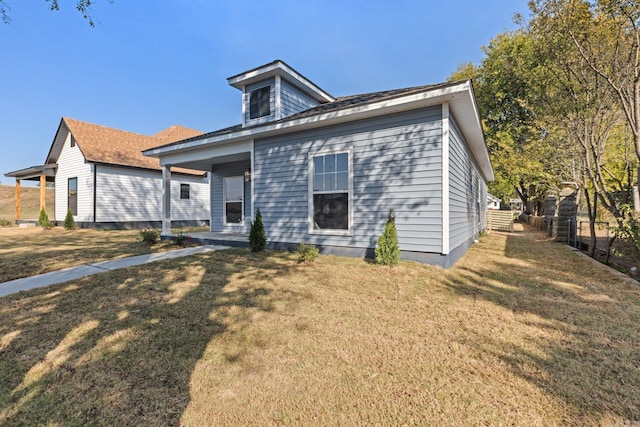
point(101, 144)
point(176, 133)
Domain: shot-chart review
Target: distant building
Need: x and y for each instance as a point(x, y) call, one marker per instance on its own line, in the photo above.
point(100, 174)
point(493, 202)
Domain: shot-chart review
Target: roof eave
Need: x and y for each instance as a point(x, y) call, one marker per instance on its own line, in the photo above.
point(470, 122)
point(279, 67)
point(33, 172)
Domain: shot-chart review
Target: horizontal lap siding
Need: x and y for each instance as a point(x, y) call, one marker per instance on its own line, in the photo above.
point(293, 100)
point(464, 182)
point(125, 194)
point(397, 164)
point(217, 202)
point(71, 163)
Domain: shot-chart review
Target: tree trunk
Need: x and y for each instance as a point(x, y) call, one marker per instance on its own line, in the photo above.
point(636, 193)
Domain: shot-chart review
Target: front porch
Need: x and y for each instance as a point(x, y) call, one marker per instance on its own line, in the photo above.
point(238, 240)
point(43, 174)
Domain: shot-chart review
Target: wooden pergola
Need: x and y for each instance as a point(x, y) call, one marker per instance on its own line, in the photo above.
point(42, 173)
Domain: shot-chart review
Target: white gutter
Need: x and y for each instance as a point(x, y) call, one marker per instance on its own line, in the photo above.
point(429, 97)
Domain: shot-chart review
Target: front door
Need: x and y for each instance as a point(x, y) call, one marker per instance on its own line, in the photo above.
point(233, 200)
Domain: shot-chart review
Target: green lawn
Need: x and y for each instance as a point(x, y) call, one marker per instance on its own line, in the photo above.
point(521, 331)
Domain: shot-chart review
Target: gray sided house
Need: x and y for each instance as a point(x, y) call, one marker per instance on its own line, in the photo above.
point(326, 170)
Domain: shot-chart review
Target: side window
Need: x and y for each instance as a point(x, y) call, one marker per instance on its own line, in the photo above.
point(184, 191)
point(330, 188)
point(72, 195)
point(259, 102)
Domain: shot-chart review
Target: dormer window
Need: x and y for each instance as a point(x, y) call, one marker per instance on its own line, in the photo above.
point(259, 105)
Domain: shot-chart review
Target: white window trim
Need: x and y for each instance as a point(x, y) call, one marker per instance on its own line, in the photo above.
point(224, 202)
point(349, 231)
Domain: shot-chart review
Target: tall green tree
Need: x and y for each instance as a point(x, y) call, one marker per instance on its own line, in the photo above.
point(606, 35)
point(514, 139)
point(592, 56)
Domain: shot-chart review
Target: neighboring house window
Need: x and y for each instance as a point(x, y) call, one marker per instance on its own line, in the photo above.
point(72, 196)
point(330, 187)
point(184, 191)
point(73, 141)
point(259, 105)
point(233, 199)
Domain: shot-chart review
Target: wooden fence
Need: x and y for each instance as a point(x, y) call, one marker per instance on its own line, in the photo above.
point(500, 220)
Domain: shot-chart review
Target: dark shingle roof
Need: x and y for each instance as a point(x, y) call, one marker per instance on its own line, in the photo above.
point(340, 103)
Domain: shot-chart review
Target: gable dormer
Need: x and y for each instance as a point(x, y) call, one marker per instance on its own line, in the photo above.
point(274, 91)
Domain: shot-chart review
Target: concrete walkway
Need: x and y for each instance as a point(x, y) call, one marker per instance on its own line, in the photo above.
point(73, 273)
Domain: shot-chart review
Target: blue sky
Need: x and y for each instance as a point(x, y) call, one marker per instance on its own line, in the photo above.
point(147, 65)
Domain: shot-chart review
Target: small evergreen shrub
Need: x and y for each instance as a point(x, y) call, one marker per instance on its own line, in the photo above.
point(306, 253)
point(5, 222)
point(387, 250)
point(69, 222)
point(43, 220)
point(181, 239)
point(148, 235)
point(257, 236)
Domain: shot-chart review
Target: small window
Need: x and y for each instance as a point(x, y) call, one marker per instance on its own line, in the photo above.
point(330, 185)
point(259, 103)
point(72, 196)
point(73, 141)
point(184, 191)
point(233, 199)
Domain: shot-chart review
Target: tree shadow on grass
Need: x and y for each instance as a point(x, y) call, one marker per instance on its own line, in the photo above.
point(40, 251)
point(584, 351)
point(119, 348)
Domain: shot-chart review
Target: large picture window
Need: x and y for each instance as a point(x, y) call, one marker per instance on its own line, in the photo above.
point(233, 199)
point(259, 102)
point(330, 188)
point(72, 195)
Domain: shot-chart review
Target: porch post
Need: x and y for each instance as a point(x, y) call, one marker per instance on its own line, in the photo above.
point(17, 199)
point(43, 189)
point(166, 200)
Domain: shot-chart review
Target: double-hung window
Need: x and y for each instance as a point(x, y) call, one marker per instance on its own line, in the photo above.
point(259, 102)
point(233, 199)
point(330, 201)
point(184, 191)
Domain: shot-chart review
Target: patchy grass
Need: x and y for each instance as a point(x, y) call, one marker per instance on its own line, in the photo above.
point(32, 250)
point(29, 202)
point(520, 332)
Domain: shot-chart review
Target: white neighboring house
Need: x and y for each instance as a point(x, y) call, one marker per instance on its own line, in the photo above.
point(493, 202)
point(100, 174)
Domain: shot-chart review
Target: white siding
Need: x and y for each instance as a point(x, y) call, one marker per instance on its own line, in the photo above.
point(71, 163)
point(125, 194)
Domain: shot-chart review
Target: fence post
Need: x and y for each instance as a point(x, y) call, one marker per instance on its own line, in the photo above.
point(567, 209)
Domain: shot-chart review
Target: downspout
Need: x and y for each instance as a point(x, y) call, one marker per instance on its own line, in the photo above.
point(95, 189)
point(445, 179)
